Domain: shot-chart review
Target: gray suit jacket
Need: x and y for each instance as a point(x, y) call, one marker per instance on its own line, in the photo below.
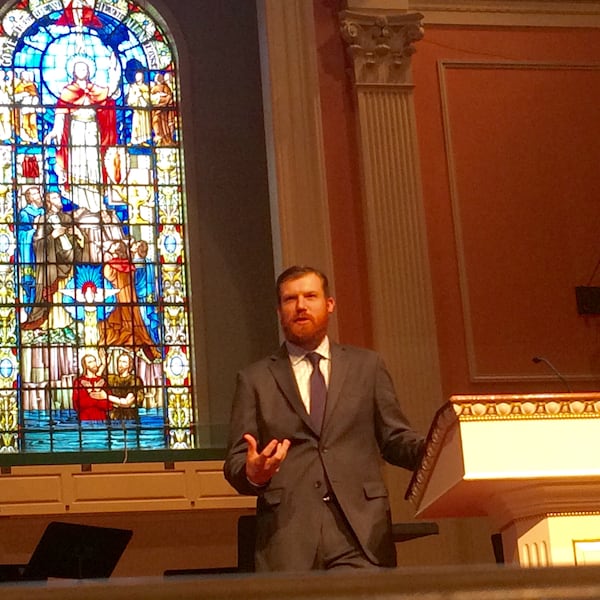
point(362, 422)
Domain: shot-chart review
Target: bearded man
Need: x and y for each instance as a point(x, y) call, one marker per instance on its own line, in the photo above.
point(309, 425)
point(123, 383)
point(92, 398)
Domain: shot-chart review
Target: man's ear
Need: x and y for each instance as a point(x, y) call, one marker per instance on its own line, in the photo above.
point(330, 304)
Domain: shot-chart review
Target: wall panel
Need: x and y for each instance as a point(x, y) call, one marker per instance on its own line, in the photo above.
point(522, 151)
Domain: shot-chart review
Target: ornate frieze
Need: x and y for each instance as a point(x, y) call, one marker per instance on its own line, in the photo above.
point(380, 45)
point(528, 406)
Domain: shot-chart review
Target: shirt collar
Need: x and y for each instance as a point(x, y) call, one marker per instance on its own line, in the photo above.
point(296, 353)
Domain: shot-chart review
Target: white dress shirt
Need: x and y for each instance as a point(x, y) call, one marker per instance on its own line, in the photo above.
point(303, 368)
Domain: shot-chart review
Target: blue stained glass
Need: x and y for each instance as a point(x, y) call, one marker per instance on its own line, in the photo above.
point(6, 368)
point(60, 57)
point(178, 366)
point(89, 153)
point(171, 244)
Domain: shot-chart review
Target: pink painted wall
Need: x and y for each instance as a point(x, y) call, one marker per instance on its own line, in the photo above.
point(508, 126)
point(509, 129)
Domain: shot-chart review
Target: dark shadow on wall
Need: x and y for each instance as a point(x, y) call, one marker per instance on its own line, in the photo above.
point(229, 226)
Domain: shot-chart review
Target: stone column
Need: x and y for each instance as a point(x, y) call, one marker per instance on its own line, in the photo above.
point(294, 136)
point(379, 46)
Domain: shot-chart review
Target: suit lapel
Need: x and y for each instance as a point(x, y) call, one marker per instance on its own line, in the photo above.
point(283, 374)
point(339, 369)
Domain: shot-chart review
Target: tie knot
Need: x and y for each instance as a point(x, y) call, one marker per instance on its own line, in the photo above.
point(314, 358)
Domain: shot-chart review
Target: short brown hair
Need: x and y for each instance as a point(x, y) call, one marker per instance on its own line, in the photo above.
point(297, 271)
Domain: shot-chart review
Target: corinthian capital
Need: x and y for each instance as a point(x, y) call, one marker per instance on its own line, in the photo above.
point(380, 45)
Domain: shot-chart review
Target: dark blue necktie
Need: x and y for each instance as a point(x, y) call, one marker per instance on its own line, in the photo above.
point(318, 391)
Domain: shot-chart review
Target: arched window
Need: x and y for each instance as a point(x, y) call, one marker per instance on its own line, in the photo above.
point(94, 332)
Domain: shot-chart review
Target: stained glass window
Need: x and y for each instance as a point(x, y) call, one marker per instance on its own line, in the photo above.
point(94, 332)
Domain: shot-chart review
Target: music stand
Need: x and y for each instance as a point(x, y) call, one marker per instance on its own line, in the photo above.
point(72, 551)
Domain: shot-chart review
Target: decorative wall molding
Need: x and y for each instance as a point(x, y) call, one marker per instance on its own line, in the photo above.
point(532, 406)
point(539, 13)
point(475, 372)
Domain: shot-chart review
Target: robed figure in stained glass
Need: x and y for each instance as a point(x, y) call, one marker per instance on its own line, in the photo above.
point(79, 13)
point(139, 99)
point(125, 326)
point(84, 128)
point(58, 245)
point(27, 95)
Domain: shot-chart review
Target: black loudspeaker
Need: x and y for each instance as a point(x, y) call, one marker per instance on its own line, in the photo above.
point(588, 300)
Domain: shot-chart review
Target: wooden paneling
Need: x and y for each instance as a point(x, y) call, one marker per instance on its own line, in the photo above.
point(115, 488)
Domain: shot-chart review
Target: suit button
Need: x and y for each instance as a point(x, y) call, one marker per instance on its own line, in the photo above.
point(317, 484)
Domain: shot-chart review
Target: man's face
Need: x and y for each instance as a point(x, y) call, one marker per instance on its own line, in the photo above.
point(304, 310)
point(53, 201)
point(91, 364)
point(123, 365)
point(80, 70)
point(34, 197)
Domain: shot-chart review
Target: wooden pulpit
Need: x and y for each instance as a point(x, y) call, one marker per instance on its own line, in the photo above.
point(531, 463)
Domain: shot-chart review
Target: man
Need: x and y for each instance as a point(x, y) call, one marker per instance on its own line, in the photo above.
point(145, 287)
point(26, 229)
point(28, 97)
point(161, 96)
point(125, 325)
point(139, 99)
point(58, 245)
point(79, 13)
point(91, 397)
point(125, 383)
point(322, 502)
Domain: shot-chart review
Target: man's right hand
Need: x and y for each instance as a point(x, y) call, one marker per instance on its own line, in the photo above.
point(260, 467)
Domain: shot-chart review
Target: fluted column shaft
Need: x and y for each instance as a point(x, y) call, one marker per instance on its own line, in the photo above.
point(379, 47)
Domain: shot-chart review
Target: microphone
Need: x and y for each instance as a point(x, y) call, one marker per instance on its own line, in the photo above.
point(539, 359)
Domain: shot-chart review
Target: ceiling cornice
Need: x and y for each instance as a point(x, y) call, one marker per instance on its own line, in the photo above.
point(506, 13)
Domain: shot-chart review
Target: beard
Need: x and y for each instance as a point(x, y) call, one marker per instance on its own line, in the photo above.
point(307, 334)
